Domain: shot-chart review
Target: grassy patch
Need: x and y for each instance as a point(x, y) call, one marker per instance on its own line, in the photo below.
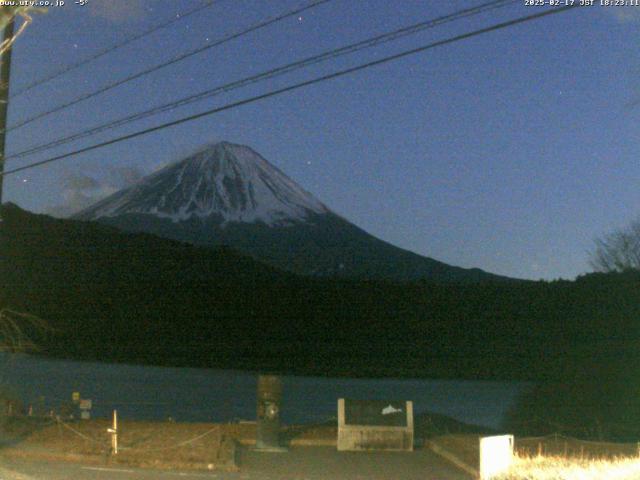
point(148, 444)
point(562, 468)
point(568, 447)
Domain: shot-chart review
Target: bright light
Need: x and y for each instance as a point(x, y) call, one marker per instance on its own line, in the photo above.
point(496, 455)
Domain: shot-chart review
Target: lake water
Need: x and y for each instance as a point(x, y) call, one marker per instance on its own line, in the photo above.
point(206, 395)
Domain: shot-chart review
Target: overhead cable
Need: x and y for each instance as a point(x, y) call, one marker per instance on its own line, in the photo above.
point(297, 86)
point(272, 73)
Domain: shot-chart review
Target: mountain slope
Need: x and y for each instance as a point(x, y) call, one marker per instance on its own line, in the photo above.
point(228, 194)
point(138, 298)
point(230, 183)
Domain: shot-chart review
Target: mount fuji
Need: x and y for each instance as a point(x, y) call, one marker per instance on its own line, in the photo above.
point(227, 194)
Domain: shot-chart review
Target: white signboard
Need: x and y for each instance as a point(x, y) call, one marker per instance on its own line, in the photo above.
point(375, 425)
point(496, 455)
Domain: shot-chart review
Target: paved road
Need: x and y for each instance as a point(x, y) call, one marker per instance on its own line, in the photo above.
point(41, 470)
point(301, 463)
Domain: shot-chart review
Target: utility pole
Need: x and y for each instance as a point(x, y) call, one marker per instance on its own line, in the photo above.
point(5, 70)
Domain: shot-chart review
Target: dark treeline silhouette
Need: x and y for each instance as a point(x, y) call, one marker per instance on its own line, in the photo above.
point(114, 296)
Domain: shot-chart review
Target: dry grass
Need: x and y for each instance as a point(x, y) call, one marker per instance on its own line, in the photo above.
point(554, 458)
point(561, 468)
point(149, 444)
point(567, 447)
point(11, 475)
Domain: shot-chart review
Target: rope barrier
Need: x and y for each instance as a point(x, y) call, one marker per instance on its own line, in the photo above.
point(80, 434)
point(137, 450)
point(178, 445)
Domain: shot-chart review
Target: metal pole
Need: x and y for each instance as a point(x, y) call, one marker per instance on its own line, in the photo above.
point(5, 71)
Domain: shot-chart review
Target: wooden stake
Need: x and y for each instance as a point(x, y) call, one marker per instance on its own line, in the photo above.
point(114, 433)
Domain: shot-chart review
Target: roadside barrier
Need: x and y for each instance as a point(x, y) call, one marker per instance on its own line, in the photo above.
point(105, 441)
point(180, 444)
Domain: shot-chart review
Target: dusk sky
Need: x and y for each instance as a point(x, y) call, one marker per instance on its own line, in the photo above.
point(509, 151)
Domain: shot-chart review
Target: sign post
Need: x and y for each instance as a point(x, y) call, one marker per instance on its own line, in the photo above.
point(85, 408)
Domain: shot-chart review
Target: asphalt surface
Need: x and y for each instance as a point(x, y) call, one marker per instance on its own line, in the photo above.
point(301, 463)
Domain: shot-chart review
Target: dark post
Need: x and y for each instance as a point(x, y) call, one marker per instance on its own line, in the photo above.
point(5, 69)
point(268, 413)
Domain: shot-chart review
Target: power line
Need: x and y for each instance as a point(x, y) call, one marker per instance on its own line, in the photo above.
point(127, 41)
point(174, 60)
point(327, 55)
point(297, 86)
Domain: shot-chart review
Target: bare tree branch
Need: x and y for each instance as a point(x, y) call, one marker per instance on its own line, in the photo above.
point(7, 14)
point(618, 251)
point(16, 329)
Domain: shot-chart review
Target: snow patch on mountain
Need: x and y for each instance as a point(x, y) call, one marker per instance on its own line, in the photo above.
point(226, 180)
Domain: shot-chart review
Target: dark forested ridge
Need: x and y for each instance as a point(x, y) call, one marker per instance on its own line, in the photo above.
point(137, 298)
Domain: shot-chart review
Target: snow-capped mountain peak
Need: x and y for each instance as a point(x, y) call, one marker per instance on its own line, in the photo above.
point(224, 180)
